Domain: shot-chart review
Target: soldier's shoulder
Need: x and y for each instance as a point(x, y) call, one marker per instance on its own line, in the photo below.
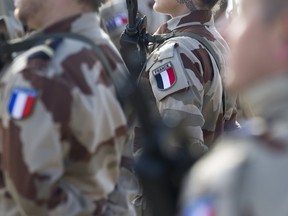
point(228, 156)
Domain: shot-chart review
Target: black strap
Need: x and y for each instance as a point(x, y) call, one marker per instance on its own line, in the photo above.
point(18, 46)
point(21, 45)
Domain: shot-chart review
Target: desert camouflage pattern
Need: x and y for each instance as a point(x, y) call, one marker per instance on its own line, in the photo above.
point(62, 158)
point(114, 17)
point(196, 95)
point(246, 173)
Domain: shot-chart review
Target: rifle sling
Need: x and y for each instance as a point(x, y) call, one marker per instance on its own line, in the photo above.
point(15, 46)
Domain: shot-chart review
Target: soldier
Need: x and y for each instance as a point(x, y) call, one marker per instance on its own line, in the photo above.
point(182, 78)
point(114, 17)
point(246, 173)
point(62, 127)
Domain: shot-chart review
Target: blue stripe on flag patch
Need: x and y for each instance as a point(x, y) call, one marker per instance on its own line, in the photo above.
point(21, 102)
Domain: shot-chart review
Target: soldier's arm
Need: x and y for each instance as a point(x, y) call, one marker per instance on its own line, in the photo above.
point(63, 158)
point(177, 87)
point(216, 191)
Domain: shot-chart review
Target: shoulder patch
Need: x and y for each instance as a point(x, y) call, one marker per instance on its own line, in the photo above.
point(22, 102)
point(204, 206)
point(116, 21)
point(165, 76)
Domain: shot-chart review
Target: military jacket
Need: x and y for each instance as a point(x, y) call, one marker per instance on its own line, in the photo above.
point(246, 172)
point(62, 127)
point(182, 78)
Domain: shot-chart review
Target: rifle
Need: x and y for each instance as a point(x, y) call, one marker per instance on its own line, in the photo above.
point(160, 167)
point(133, 46)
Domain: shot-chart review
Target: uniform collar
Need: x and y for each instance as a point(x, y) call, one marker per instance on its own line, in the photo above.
point(199, 17)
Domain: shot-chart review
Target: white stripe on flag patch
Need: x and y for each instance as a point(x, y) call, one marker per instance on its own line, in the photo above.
point(19, 105)
point(165, 79)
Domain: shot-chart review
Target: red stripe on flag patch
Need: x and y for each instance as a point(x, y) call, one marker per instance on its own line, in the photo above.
point(171, 75)
point(28, 106)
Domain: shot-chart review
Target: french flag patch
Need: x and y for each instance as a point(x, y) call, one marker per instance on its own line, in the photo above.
point(165, 76)
point(116, 21)
point(205, 206)
point(21, 103)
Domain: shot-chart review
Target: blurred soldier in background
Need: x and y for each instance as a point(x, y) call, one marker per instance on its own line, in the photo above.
point(246, 173)
point(229, 8)
point(10, 28)
point(114, 17)
point(62, 127)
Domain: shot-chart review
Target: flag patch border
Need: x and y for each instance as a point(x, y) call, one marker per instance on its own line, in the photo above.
point(22, 108)
point(157, 74)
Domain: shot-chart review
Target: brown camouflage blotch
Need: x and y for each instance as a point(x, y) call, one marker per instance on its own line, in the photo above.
point(73, 71)
point(104, 78)
point(188, 64)
point(163, 29)
point(204, 58)
point(199, 30)
point(121, 131)
point(54, 93)
point(37, 63)
point(14, 164)
point(200, 16)
point(78, 152)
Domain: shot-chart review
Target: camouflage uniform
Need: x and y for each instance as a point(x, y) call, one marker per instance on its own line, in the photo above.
point(182, 78)
point(62, 128)
point(246, 173)
point(114, 17)
point(183, 82)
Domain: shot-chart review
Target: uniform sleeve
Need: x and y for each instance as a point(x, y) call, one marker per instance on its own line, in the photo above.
point(215, 191)
point(32, 150)
point(176, 84)
point(62, 158)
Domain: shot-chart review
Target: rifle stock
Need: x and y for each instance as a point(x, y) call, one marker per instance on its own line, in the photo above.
point(132, 7)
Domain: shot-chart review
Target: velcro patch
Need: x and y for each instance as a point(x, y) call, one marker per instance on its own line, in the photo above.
point(165, 76)
point(21, 103)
